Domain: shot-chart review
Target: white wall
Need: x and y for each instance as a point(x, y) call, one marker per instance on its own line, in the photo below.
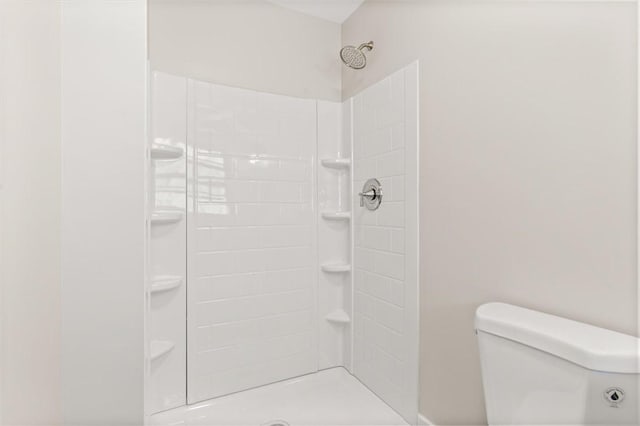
point(528, 167)
point(103, 210)
point(30, 212)
point(250, 44)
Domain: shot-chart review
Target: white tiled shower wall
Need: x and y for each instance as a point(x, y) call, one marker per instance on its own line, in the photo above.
point(252, 239)
point(385, 253)
point(334, 237)
point(167, 246)
point(260, 306)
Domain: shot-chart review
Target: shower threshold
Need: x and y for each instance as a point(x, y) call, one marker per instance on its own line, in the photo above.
point(330, 398)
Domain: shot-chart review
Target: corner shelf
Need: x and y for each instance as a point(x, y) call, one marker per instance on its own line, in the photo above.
point(165, 217)
point(160, 348)
point(336, 215)
point(336, 267)
point(338, 317)
point(162, 283)
point(165, 152)
point(336, 163)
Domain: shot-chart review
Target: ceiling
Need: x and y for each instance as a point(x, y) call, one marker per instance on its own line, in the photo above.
point(331, 10)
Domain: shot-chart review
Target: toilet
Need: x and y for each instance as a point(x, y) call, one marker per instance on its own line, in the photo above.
point(540, 369)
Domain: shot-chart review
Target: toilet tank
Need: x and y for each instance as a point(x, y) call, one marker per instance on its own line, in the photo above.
point(540, 369)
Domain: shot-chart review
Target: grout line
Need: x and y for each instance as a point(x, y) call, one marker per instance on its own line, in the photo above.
point(278, 315)
point(208, 302)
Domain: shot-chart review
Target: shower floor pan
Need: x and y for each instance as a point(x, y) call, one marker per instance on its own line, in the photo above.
point(329, 398)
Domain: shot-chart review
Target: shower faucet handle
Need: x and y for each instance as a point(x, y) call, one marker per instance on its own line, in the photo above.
point(371, 195)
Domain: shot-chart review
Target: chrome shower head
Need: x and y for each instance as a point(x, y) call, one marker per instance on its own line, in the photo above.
point(354, 57)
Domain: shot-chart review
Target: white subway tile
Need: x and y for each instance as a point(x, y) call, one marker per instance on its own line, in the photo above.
point(203, 239)
point(256, 168)
point(215, 166)
point(258, 306)
point(228, 286)
point(233, 238)
point(256, 122)
point(397, 135)
point(215, 214)
point(389, 264)
point(219, 121)
point(378, 286)
point(218, 143)
point(391, 163)
point(245, 144)
point(391, 214)
point(235, 333)
point(257, 214)
point(295, 214)
point(295, 170)
point(202, 337)
point(374, 237)
point(397, 292)
point(367, 217)
point(397, 183)
point(397, 240)
point(286, 280)
point(217, 263)
point(378, 94)
point(251, 260)
point(364, 304)
point(390, 368)
point(364, 169)
point(385, 338)
point(234, 191)
point(280, 192)
point(286, 236)
point(389, 315)
point(377, 142)
point(287, 258)
point(364, 259)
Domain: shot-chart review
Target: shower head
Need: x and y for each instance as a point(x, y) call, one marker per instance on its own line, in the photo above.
point(354, 57)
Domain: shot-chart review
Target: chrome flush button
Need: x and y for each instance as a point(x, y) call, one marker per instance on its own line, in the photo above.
point(614, 396)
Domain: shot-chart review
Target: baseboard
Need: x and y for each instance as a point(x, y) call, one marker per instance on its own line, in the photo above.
point(423, 421)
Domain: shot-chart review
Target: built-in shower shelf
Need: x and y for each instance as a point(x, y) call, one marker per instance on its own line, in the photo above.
point(164, 283)
point(336, 267)
point(164, 217)
point(338, 317)
point(166, 152)
point(336, 163)
point(336, 215)
point(160, 348)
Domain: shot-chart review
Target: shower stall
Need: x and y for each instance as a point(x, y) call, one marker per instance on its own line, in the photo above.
point(282, 245)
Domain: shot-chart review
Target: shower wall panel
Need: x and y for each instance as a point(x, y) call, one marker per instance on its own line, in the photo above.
point(166, 310)
point(334, 237)
point(252, 257)
point(385, 132)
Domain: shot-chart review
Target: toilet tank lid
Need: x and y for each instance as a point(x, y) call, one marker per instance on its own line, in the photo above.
point(592, 347)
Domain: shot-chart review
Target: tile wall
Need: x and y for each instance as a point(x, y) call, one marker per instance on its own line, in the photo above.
point(385, 252)
point(252, 261)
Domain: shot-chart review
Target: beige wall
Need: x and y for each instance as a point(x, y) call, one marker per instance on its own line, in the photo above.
point(528, 153)
point(30, 155)
point(251, 44)
point(104, 106)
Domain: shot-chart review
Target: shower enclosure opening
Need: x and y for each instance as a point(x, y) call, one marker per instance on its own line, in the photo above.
point(268, 263)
